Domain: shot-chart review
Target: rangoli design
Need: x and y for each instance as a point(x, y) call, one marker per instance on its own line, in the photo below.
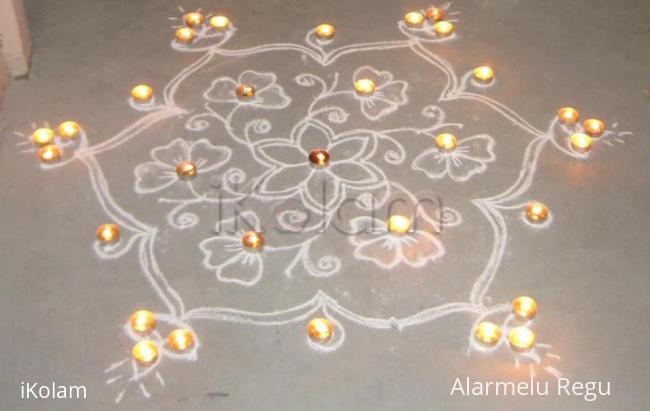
point(247, 193)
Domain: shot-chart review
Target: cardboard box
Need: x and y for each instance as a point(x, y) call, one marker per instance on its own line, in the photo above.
point(4, 78)
point(15, 43)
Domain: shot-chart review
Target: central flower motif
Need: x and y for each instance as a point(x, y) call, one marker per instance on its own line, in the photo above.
point(291, 173)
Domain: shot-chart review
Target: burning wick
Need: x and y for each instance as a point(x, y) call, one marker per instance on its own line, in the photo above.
point(443, 29)
point(186, 169)
point(145, 352)
point(593, 127)
point(68, 130)
point(219, 23)
point(398, 224)
point(320, 329)
point(319, 157)
point(568, 115)
point(364, 87)
point(193, 19)
point(253, 240)
point(49, 153)
point(524, 308)
point(108, 233)
point(446, 141)
point(483, 74)
point(142, 93)
point(536, 212)
point(245, 91)
point(487, 333)
point(435, 13)
point(180, 339)
point(414, 19)
point(581, 142)
point(325, 31)
point(185, 35)
point(521, 339)
point(142, 321)
point(43, 136)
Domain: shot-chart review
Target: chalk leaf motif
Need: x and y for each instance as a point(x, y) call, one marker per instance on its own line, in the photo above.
point(226, 255)
point(373, 242)
point(470, 157)
point(388, 95)
point(160, 173)
point(268, 94)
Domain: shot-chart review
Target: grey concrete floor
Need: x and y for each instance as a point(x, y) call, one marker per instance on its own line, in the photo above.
point(62, 307)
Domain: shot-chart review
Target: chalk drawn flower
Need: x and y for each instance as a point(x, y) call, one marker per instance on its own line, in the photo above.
point(226, 254)
point(268, 94)
point(389, 94)
point(470, 157)
point(290, 172)
point(159, 174)
point(373, 242)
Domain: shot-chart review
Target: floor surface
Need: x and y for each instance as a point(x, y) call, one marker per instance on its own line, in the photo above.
point(403, 308)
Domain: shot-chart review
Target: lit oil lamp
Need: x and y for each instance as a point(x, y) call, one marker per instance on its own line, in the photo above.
point(594, 127)
point(524, 308)
point(487, 333)
point(320, 329)
point(581, 142)
point(521, 339)
point(49, 153)
point(398, 224)
point(219, 23)
point(145, 352)
point(142, 321)
point(68, 130)
point(364, 87)
point(319, 157)
point(568, 115)
point(185, 35)
point(536, 212)
point(414, 19)
point(253, 240)
point(43, 136)
point(443, 29)
point(180, 339)
point(483, 74)
point(245, 91)
point(435, 13)
point(325, 31)
point(108, 233)
point(193, 19)
point(186, 169)
point(446, 141)
point(142, 93)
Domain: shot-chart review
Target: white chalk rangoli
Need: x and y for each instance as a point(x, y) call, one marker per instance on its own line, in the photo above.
point(278, 173)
